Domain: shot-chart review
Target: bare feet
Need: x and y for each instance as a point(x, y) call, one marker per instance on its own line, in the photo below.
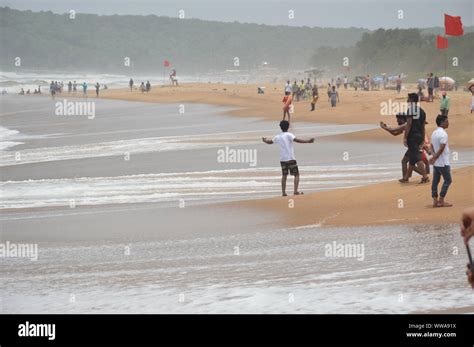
point(435, 202)
point(299, 193)
point(425, 180)
point(402, 180)
point(284, 194)
point(444, 204)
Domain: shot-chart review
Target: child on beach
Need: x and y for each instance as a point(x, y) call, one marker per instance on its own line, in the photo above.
point(287, 156)
point(287, 100)
point(334, 96)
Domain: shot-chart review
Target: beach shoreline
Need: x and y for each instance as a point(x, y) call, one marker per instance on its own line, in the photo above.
point(368, 205)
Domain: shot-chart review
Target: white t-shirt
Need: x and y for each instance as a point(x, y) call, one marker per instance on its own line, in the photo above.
point(439, 137)
point(285, 141)
point(288, 88)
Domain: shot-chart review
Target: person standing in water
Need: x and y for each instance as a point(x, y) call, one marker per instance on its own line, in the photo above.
point(287, 156)
point(414, 137)
point(84, 90)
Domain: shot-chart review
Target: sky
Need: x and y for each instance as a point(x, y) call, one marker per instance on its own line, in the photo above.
point(370, 14)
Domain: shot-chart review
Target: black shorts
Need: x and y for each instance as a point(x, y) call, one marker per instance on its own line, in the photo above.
point(414, 153)
point(290, 166)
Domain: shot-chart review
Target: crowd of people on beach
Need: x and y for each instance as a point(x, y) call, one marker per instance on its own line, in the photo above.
point(57, 87)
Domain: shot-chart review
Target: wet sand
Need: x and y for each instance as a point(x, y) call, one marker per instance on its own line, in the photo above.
point(129, 245)
point(356, 107)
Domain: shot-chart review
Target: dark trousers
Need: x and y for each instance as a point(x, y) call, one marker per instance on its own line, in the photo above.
point(439, 171)
point(444, 112)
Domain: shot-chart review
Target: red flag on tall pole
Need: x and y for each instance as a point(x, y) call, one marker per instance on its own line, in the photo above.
point(453, 25)
point(441, 42)
point(166, 63)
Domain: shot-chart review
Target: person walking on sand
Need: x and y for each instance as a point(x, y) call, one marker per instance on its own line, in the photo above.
point(445, 103)
point(440, 162)
point(329, 91)
point(97, 87)
point(334, 96)
point(84, 90)
point(399, 84)
point(401, 122)
point(130, 84)
point(471, 89)
point(430, 84)
point(315, 94)
point(346, 82)
point(69, 87)
point(287, 156)
point(148, 86)
point(287, 105)
point(74, 88)
point(288, 87)
point(414, 136)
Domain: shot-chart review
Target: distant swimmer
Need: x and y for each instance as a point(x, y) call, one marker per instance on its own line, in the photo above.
point(287, 105)
point(97, 87)
point(130, 84)
point(84, 90)
point(287, 156)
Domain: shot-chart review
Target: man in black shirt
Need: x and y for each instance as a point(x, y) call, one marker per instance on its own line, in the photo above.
point(414, 138)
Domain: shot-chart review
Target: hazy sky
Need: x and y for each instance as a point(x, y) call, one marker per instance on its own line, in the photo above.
point(370, 14)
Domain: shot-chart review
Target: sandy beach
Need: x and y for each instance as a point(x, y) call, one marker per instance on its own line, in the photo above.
point(375, 204)
point(136, 204)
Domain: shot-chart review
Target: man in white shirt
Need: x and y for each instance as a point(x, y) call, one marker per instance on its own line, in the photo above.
point(288, 88)
point(287, 156)
point(440, 161)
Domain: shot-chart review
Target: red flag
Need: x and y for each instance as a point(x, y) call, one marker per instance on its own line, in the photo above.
point(166, 63)
point(441, 42)
point(453, 25)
